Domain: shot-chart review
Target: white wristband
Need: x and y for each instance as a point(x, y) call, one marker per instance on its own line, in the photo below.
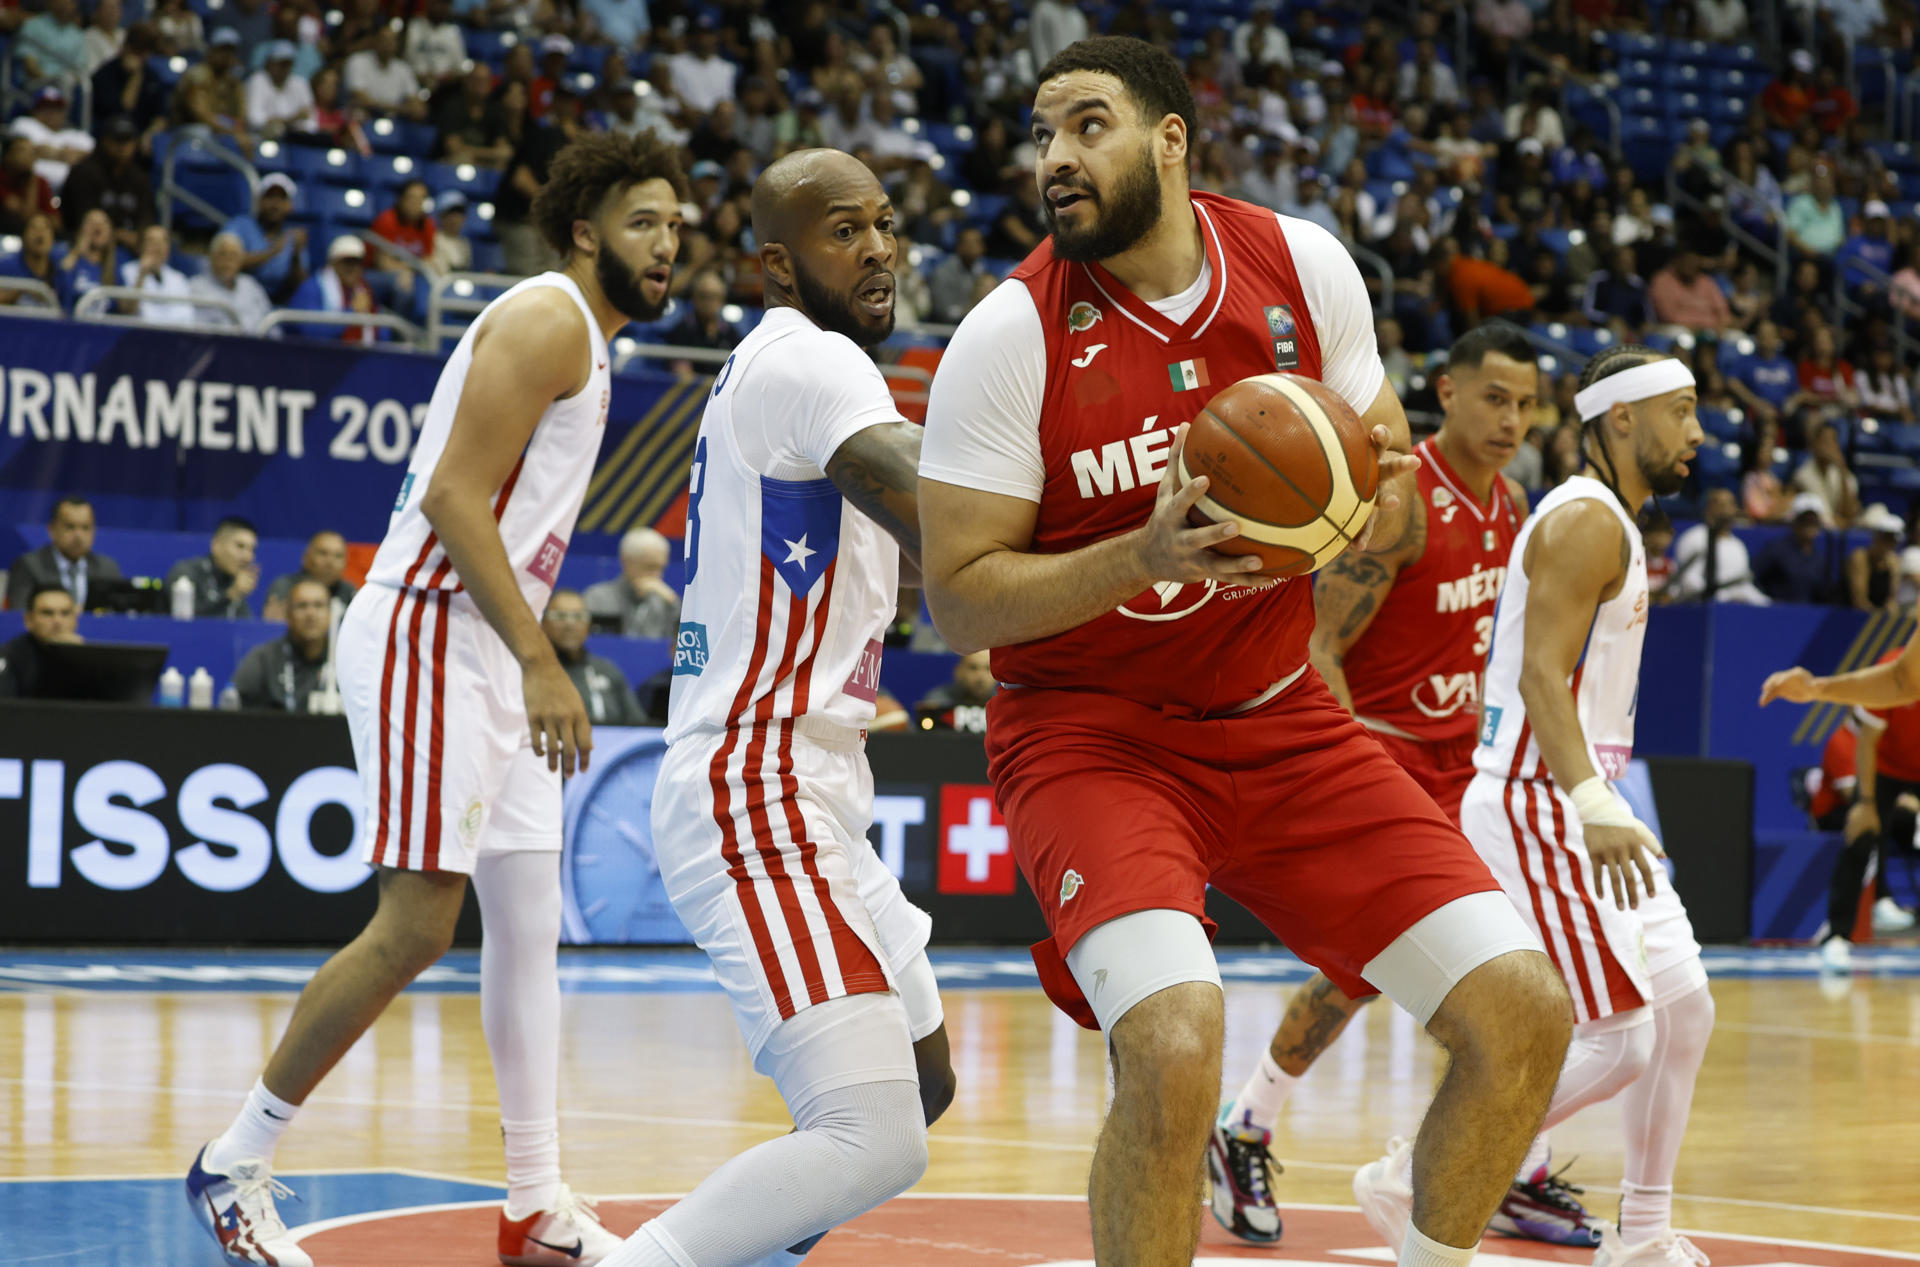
point(1597, 806)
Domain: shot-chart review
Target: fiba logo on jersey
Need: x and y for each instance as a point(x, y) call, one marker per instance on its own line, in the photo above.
point(1286, 348)
point(1082, 317)
point(1280, 320)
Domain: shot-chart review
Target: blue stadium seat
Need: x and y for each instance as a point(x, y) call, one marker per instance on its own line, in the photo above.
point(310, 166)
point(1734, 83)
point(1717, 424)
point(1726, 111)
point(488, 257)
point(1684, 76)
point(490, 46)
point(1645, 101)
point(1691, 52)
point(1587, 340)
point(351, 208)
point(1901, 437)
point(1683, 107)
point(398, 136)
point(1556, 241)
point(1718, 465)
point(1648, 145)
point(1628, 44)
point(474, 182)
point(1639, 73)
point(1741, 56)
point(390, 171)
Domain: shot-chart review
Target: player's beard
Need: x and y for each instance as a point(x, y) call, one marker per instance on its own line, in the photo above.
point(621, 285)
point(1666, 481)
point(1127, 213)
point(834, 311)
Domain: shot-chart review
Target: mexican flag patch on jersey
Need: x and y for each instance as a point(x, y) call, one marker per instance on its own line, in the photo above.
point(1187, 375)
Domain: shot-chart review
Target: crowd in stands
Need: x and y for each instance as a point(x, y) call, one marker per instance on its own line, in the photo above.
point(1597, 170)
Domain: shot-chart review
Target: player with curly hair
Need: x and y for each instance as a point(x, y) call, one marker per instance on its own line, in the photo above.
point(463, 720)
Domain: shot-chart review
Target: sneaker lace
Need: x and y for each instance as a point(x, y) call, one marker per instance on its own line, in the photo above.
point(255, 1197)
point(1557, 1192)
point(1253, 1162)
point(1684, 1250)
point(575, 1206)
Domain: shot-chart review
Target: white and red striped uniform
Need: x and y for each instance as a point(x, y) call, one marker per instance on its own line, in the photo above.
point(432, 695)
point(763, 802)
point(1525, 827)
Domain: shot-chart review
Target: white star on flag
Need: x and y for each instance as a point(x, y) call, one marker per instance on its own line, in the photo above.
point(797, 551)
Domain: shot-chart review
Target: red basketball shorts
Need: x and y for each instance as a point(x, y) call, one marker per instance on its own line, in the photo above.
point(1292, 810)
point(1443, 768)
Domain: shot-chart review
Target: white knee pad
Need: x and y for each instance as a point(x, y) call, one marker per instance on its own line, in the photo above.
point(1420, 967)
point(1132, 956)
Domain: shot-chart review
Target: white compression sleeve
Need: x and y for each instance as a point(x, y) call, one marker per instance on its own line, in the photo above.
point(1654, 1112)
point(520, 1012)
point(1604, 1057)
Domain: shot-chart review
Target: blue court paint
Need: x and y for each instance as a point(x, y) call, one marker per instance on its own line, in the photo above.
point(602, 971)
point(146, 1222)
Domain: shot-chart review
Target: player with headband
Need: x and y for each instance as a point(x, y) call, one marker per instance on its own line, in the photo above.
point(1563, 679)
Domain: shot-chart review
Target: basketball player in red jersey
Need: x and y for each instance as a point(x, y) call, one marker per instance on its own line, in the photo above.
point(1161, 728)
point(1401, 639)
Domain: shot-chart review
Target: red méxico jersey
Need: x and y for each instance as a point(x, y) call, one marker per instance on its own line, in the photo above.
point(1120, 379)
point(1420, 667)
point(1897, 752)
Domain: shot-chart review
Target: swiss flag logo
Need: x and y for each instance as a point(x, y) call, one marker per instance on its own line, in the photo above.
point(976, 855)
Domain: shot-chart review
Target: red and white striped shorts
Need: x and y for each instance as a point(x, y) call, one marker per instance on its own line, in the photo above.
point(760, 834)
point(439, 727)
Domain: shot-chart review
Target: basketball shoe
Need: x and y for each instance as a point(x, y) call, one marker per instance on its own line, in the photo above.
point(237, 1207)
point(1671, 1250)
point(1891, 917)
point(1240, 1170)
point(1384, 1194)
point(1545, 1208)
point(568, 1235)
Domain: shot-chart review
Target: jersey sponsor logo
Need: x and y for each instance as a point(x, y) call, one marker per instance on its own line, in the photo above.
point(470, 820)
point(1614, 759)
point(1476, 589)
point(1121, 466)
point(1444, 694)
point(1086, 358)
point(406, 487)
point(1489, 724)
point(1169, 600)
point(1442, 499)
point(1070, 884)
point(976, 855)
point(690, 649)
point(1187, 376)
point(545, 567)
point(865, 680)
point(1082, 317)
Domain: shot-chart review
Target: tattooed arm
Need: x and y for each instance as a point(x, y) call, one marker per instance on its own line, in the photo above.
point(1348, 593)
point(878, 470)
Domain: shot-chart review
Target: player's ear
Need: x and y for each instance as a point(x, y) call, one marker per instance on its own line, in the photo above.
point(586, 239)
point(1443, 388)
point(1173, 141)
point(777, 263)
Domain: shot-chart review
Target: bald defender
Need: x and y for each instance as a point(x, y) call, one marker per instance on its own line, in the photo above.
point(801, 505)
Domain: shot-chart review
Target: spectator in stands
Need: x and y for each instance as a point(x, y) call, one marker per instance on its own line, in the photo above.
point(225, 282)
point(1720, 21)
point(520, 242)
point(452, 253)
point(1867, 257)
point(1561, 460)
point(179, 27)
point(32, 262)
point(225, 576)
point(57, 146)
point(1884, 390)
point(1617, 293)
point(1428, 79)
point(1761, 495)
point(1829, 104)
point(336, 120)
point(962, 279)
point(290, 673)
point(252, 21)
point(912, 297)
point(378, 81)
point(211, 95)
point(1711, 564)
point(1682, 294)
point(279, 101)
point(1815, 224)
point(1258, 41)
point(1903, 292)
point(164, 288)
point(1270, 181)
point(287, 24)
point(1824, 474)
point(638, 603)
point(704, 325)
point(702, 79)
point(50, 617)
point(1052, 25)
point(340, 287)
point(436, 48)
point(105, 33)
point(1749, 299)
point(127, 86)
point(1754, 197)
point(408, 224)
point(51, 46)
point(1807, 299)
point(603, 687)
point(555, 52)
point(471, 126)
point(1552, 295)
point(276, 251)
point(89, 262)
point(961, 703)
point(1479, 288)
point(1825, 378)
point(1792, 568)
point(24, 193)
point(621, 23)
point(1873, 570)
point(110, 179)
point(1785, 100)
point(68, 561)
point(323, 563)
point(1020, 226)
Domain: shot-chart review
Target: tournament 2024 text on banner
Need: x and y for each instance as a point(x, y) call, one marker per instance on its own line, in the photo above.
point(172, 431)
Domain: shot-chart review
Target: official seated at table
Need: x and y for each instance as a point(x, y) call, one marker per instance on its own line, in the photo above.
point(324, 560)
point(225, 576)
point(602, 686)
point(290, 674)
point(67, 560)
point(51, 615)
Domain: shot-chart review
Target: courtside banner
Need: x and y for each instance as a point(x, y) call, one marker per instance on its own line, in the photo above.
point(172, 431)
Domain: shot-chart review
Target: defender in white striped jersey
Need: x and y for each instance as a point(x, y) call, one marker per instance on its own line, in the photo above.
point(1563, 684)
point(463, 720)
point(803, 499)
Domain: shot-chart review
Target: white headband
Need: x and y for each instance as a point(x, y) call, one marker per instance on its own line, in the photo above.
point(1642, 382)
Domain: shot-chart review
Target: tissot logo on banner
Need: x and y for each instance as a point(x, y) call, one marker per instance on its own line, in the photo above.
point(975, 853)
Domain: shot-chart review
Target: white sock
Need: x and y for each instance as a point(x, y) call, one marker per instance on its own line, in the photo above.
point(1265, 1093)
point(1539, 1156)
point(254, 1133)
point(1654, 1112)
point(519, 897)
point(651, 1246)
point(1419, 1250)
